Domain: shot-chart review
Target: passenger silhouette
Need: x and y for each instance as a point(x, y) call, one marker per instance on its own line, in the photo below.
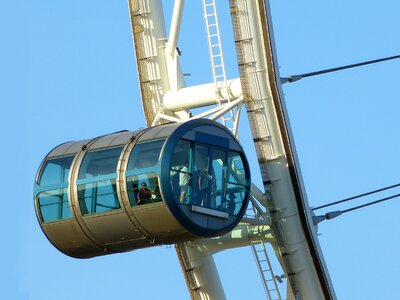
point(231, 204)
point(144, 194)
point(184, 181)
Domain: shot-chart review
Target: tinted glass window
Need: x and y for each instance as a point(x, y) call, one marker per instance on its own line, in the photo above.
point(217, 179)
point(143, 189)
point(53, 196)
point(208, 176)
point(181, 172)
point(55, 171)
point(145, 155)
point(237, 184)
point(96, 181)
point(98, 196)
point(54, 205)
point(100, 162)
point(142, 173)
point(200, 176)
point(236, 169)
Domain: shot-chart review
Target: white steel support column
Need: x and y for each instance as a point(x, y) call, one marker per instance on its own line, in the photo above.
point(148, 29)
point(176, 80)
point(200, 273)
point(159, 70)
point(199, 267)
point(290, 213)
point(175, 26)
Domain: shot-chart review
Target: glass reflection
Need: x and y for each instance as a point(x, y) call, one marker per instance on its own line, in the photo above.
point(96, 181)
point(52, 189)
point(207, 176)
point(180, 171)
point(142, 173)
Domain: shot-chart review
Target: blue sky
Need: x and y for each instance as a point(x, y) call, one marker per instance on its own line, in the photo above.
point(68, 73)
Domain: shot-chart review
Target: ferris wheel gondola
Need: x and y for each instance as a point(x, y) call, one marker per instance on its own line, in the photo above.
point(186, 180)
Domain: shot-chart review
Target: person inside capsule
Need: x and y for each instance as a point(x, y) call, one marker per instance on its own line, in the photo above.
point(183, 182)
point(144, 194)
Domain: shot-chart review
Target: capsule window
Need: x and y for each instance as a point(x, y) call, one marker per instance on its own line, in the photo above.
point(181, 172)
point(207, 176)
point(217, 179)
point(96, 181)
point(142, 173)
point(143, 189)
point(236, 183)
point(200, 177)
point(52, 189)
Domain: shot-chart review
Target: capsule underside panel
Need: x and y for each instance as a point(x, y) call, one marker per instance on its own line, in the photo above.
point(157, 219)
point(111, 227)
point(68, 237)
point(116, 193)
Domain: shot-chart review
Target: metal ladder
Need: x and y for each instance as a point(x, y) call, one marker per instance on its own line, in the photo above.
point(265, 269)
point(260, 254)
point(217, 59)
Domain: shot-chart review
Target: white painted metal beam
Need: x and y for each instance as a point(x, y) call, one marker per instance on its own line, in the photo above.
point(175, 27)
point(290, 214)
point(201, 95)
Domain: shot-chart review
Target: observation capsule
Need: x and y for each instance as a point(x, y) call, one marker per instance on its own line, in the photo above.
point(134, 189)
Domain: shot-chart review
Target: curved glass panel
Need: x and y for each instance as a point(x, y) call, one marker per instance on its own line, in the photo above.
point(200, 176)
point(96, 181)
point(51, 189)
point(143, 189)
point(56, 171)
point(237, 184)
point(208, 176)
point(217, 178)
point(142, 173)
point(145, 155)
point(54, 205)
point(181, 171)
